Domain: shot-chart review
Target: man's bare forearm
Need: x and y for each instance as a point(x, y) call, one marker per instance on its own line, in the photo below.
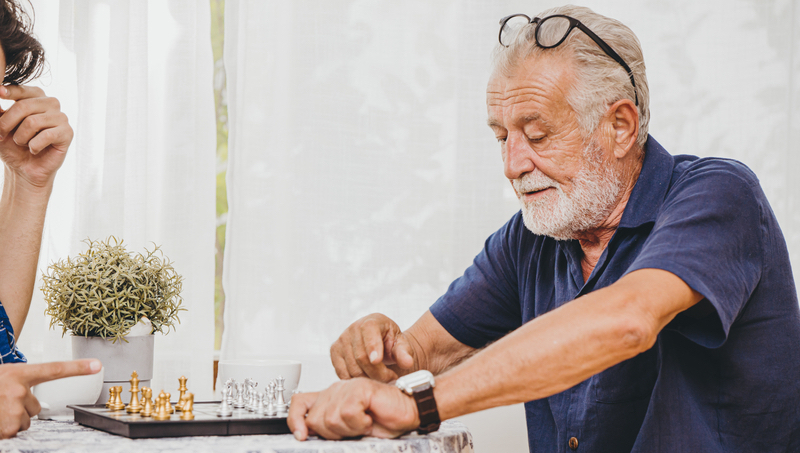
point(566, 346)
point(435, 349)
point(22, 213)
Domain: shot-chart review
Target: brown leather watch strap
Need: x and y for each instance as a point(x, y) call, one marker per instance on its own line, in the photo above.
point(428, 413)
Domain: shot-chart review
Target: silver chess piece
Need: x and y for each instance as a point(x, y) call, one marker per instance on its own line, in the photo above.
point(238, 401)
point(251, 397)
point(247, 393)
point(224, 409)
point(260, 404)
point(280, 402)
point(271, 410)
point(230, 384)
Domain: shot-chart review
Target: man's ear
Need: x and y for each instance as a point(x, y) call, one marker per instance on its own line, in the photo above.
point(623, 123)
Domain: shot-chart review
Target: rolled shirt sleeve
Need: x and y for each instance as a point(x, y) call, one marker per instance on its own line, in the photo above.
point(484, 304)
point(709, 234)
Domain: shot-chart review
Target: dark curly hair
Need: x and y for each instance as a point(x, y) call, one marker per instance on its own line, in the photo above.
point(24, 54)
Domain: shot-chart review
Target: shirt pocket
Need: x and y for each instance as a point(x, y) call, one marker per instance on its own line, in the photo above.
point(630, 380)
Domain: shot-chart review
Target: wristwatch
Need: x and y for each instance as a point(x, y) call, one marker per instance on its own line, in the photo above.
point(419, 384)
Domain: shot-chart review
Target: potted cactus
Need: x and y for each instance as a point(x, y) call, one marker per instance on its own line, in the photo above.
point(112, 301)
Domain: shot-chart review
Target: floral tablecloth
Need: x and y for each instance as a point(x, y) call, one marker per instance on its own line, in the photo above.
point(47, 436)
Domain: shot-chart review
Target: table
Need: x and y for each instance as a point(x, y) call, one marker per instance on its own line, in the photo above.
point(52, 436)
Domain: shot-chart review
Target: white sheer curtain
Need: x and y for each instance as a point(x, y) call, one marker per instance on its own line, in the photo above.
point(356, 181)
point(362, 176)
point(135, 79)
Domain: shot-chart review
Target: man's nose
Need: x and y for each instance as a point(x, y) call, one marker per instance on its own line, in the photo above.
point(518, 157)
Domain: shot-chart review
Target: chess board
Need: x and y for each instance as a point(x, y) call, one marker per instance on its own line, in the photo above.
point(205, 423)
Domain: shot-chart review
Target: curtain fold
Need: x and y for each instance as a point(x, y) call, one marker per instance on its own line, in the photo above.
point(135, 79)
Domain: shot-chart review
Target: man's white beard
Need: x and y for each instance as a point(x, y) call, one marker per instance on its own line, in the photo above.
point(595, 192)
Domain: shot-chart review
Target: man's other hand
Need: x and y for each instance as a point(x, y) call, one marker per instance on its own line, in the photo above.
point(34, 134)
point(369, 347)
point(17, 403)
point(356, 407)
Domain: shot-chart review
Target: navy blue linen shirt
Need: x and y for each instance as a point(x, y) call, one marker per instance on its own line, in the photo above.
point(725, 382)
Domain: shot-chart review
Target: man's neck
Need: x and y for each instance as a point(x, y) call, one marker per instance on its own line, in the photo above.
point(594, 242)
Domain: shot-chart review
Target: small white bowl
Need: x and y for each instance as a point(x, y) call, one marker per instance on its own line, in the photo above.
point(54, 396)
point(261, 371)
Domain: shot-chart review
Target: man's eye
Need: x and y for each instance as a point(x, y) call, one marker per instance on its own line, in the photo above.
point(501, 139)
point(536, 139)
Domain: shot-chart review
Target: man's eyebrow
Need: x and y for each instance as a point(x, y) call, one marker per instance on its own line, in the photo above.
point(536, 117)
point(493, 122)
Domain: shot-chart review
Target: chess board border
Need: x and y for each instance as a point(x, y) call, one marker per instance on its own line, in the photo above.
point(93, 416)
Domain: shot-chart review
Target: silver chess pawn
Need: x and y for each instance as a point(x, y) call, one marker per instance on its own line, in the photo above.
point(270, 410)
point(224, 409)
point(260, 408)
point(238, 401)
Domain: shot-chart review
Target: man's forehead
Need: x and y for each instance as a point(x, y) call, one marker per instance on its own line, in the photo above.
point(538, 80)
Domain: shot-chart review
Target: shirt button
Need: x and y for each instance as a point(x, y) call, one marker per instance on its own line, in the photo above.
point(573, 443)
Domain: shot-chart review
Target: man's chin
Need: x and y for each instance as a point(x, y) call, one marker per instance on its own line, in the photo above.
point(535, 222)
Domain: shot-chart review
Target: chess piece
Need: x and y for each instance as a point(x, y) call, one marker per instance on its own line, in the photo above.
point(229, 386)
point(134, 407)
point(238, 402)
point(170, 409)
point(253, 392)
point(271, 409)
point(246, 396)
point(117, 405)
point(260, 408)
point(251, 395)
point(280, 402)
point(111, 398)
point(224, 409)
point(188, 407)
point(161, 407)
point(147, 405)
point(182, 397)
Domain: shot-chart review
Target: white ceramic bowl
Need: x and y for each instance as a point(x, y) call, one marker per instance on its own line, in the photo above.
point(261, 371)
point(54, 396)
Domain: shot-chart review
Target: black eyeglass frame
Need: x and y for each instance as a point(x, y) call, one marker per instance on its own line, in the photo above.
point(573, 23)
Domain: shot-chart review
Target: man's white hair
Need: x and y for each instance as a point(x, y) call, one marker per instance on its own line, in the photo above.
point(599, 80)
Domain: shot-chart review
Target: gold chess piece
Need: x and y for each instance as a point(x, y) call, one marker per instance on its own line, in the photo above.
point(134, 406)
point(110, 397)
point(161, 407)
point(188, 407)
point(147, 407)
point(182, 398)
point(118, 405)
point(170, 409)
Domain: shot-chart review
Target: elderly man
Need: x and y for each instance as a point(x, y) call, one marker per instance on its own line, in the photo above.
point(34, 137)
point(639, 301)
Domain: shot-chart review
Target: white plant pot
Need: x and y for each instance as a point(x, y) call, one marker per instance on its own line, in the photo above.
point(119, 359)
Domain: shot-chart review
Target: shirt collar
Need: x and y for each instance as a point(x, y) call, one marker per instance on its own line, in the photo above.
point(651, 186)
